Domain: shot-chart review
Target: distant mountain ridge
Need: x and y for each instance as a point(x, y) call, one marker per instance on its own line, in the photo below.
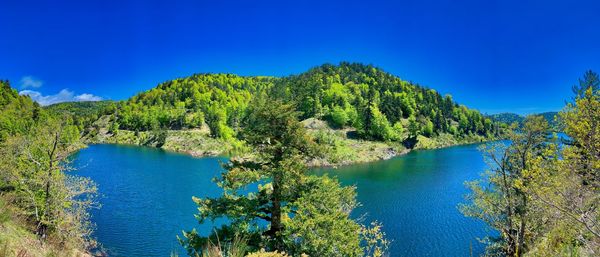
point(510, 118)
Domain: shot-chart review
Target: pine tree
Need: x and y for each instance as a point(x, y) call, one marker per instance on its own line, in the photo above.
point(304, 213)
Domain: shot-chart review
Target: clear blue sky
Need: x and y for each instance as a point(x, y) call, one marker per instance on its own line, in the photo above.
point(495, 56)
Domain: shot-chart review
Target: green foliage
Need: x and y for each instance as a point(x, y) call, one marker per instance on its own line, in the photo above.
point(510, 118)
point(379, 126)
point(338, 117)
point(374, 242)
point(35, 164)
point(541, 196)
point(216, 119)
point(114, 128)
point(220, 100)
point(17, 113)
point(414, 128)
point(590, 80)
point(305, 214)
point(34, 154)
point(262, 253)
point(398, 129)
point(82, 113)
point(321, 225)
point(427, 128)
point(347, 95)
point(362, 87)
point(504, 205)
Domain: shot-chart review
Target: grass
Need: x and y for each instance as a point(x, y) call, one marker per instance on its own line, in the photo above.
point(196, 142)
point(340, 147)
point(17, 240)
point(445, 140)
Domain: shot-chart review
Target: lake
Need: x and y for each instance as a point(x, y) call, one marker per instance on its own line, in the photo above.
point(146, 198)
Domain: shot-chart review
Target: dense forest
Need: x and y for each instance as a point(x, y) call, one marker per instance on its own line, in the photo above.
point(84, 114)
point(378, 105)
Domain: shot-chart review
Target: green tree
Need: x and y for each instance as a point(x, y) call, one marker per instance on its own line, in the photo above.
point(565, 181)
point(590, 80)
point(304, 213)
point(414, 128)
point(321, 225)
point(540, 195)
point(338, 116)
point(114, 128)
point(500, 199)
point(427, 128)
point(216, 118)
point(379, 126)
point(35, 165)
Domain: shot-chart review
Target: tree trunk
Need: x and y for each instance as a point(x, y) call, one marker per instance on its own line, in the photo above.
point(276, 226)
point(510, 240)
point(521, 242)
point(43, 226)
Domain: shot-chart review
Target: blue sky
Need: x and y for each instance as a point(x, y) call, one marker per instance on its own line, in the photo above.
point(495, 56)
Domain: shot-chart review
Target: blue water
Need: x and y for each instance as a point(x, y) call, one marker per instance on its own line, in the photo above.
point(147, 198)
point(416, 196)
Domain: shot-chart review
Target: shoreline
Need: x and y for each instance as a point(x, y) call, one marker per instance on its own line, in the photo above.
point(387, 154)
point(341, 147)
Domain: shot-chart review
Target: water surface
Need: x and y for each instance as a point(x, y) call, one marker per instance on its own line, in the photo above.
point(416, 196)
point(147, 198)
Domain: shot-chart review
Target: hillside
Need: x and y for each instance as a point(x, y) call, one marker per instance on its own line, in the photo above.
point(510, 118)
point(507, 117)
point(81, 108)
point(17, 113)
point(358, 102)
point(84, 114)
point(23, 178)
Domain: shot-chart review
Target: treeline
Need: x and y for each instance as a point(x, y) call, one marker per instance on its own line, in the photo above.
point(84, 114)
point(18, 112)
point(509, 118)
point(34, 186)
point(542, 192)
point(379, 105)
point(219, 100)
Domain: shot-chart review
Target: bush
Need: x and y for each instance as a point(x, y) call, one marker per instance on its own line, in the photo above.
point(427, 128)
point(338, 117)
point(262, 253)
point(380, 127)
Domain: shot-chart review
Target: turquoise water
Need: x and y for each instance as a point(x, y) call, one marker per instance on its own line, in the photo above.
point(146, 198)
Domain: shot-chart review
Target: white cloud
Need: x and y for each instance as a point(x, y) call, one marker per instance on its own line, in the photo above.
point(87, 97)
point(29, 81)
point(64, 95)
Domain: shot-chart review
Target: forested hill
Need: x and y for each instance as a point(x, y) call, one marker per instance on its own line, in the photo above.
point(17, 113)
point(217, 99)
point(510, 118)
point(379, 105)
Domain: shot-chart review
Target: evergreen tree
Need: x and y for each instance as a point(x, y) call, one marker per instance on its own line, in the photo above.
point(304, 213)
point(590, 80)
